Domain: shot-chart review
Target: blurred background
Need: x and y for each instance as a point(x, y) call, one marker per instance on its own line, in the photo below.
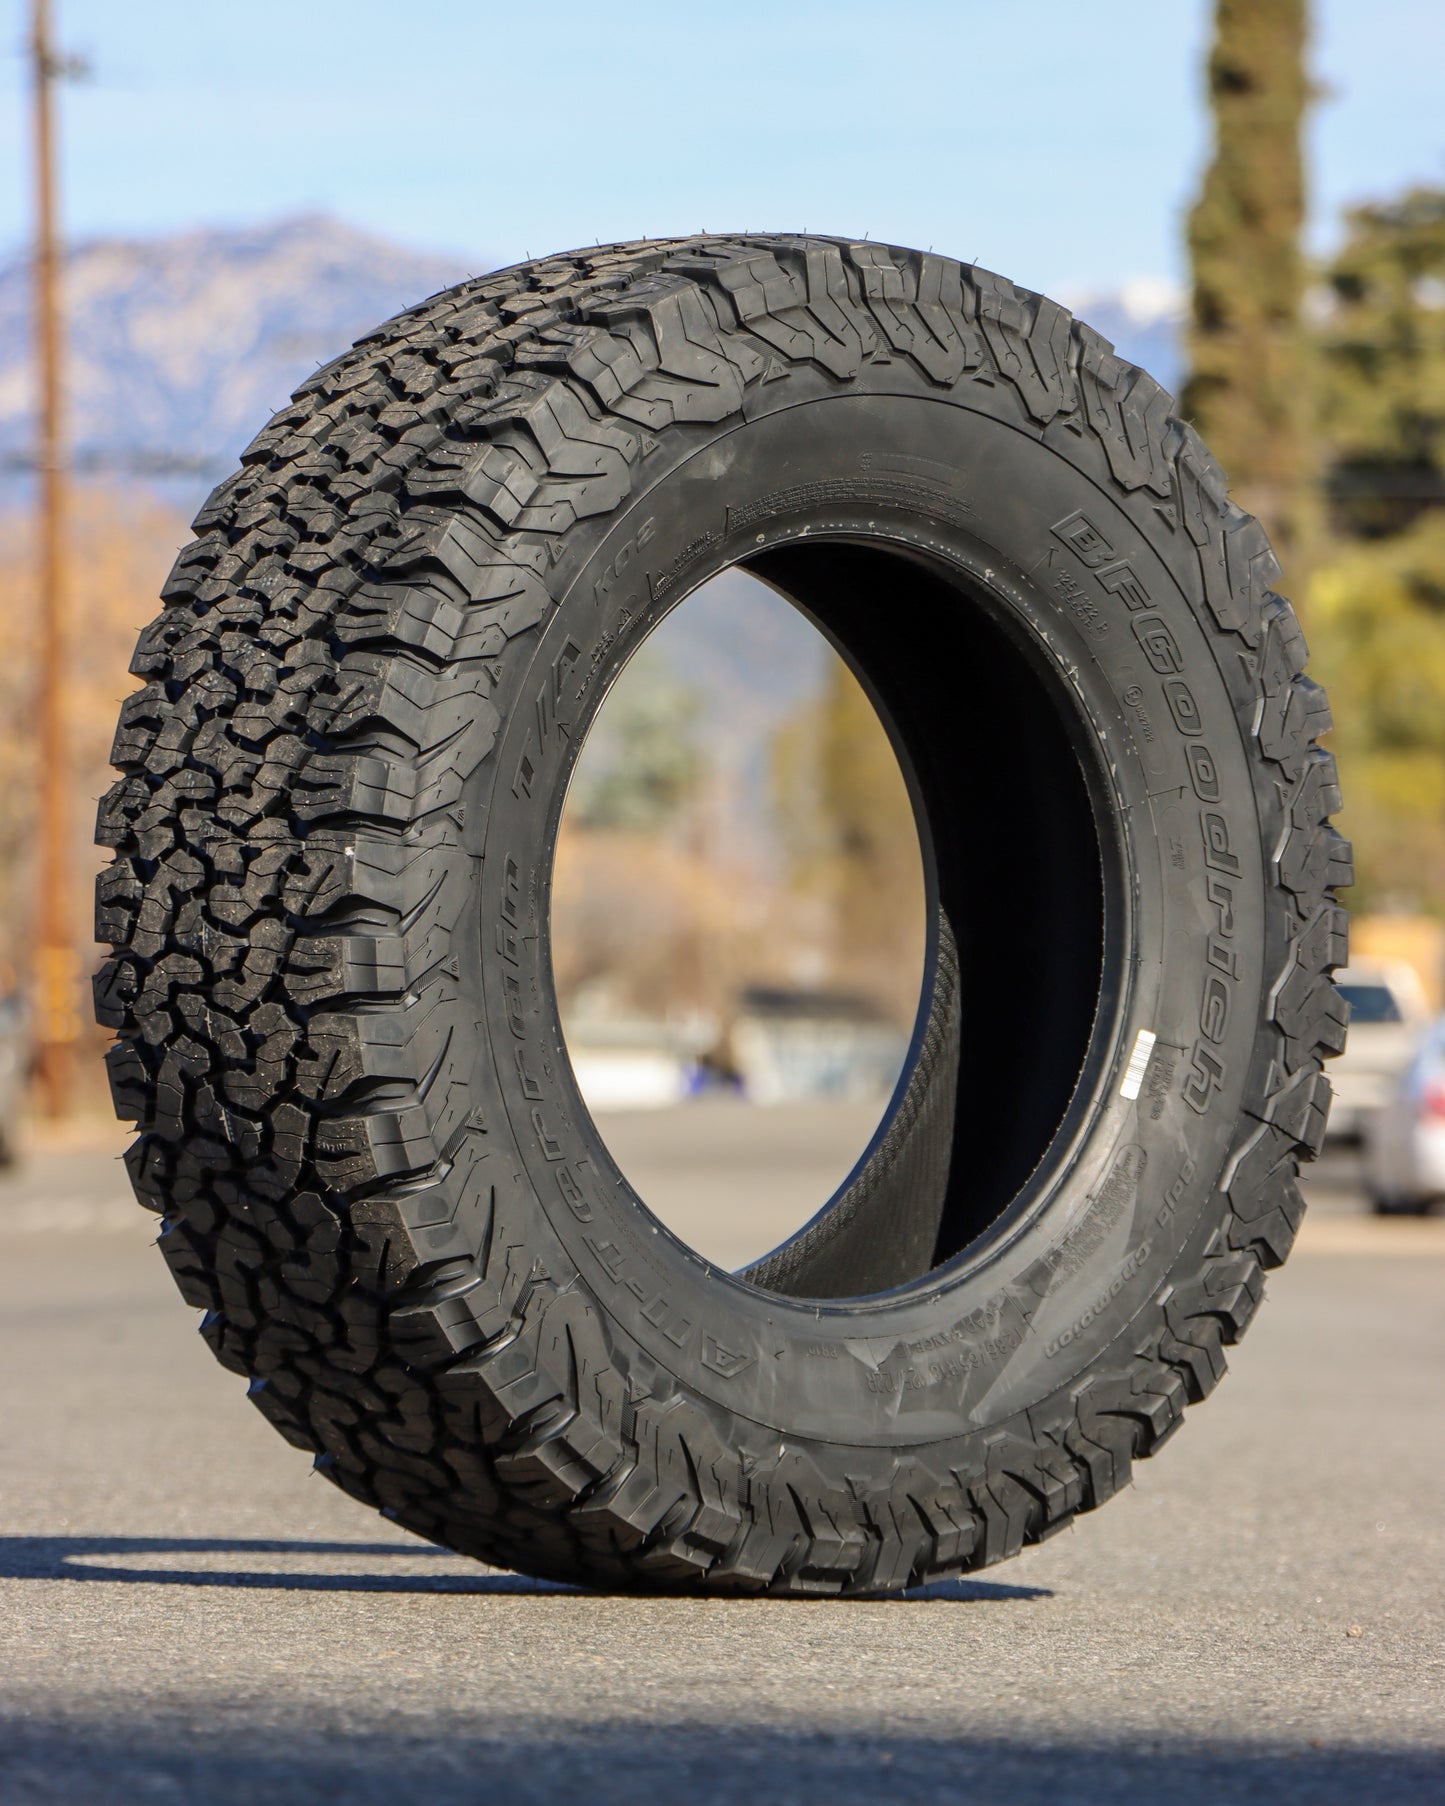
point(202, 204)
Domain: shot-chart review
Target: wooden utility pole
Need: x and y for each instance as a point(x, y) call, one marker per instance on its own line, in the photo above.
point(1248, 389)
point(57, 973)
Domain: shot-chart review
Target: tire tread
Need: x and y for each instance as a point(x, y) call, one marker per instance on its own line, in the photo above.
point(315, 696)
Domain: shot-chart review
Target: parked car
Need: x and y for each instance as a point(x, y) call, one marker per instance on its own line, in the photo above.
point(1388, 1014)
point(1405, 1138)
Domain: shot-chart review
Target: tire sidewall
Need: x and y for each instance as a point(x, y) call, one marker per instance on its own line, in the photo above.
point(1103, 594)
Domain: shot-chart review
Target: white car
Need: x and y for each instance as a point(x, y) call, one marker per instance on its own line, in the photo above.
point(1405, 1138)
point(1388, 1013)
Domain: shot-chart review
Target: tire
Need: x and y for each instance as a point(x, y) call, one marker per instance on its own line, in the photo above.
point(336, 1030)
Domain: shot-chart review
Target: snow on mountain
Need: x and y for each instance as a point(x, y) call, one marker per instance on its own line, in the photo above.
point(180, 348)
point(1143, 319)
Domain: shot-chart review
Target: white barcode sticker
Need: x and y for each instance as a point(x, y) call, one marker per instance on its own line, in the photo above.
point(1138, 1065)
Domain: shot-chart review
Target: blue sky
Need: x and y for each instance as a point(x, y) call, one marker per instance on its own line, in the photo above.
point(1055, 140)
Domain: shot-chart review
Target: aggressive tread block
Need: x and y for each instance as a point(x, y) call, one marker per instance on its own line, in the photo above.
point(287, 884)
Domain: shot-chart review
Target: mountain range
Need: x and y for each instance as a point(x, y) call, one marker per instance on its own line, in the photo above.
point(179, 348)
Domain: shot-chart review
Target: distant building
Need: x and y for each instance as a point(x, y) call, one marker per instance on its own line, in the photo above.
point(792, 1045)
point(628, 1062)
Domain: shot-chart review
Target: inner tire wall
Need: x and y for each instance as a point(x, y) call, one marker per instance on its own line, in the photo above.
point(1008, 821)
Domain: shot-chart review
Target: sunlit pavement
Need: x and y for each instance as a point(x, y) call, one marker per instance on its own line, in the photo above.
point(185, 1613)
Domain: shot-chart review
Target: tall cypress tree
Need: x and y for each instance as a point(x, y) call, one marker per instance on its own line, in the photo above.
point(1248, 385)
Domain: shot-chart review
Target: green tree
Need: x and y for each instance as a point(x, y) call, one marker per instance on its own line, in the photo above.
point(1247, 389)
point(1377, 612)
point(641, 764)
point(1381, 335)
point(1377, 604)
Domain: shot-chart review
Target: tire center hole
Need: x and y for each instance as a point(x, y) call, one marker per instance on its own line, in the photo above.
point(738, 923)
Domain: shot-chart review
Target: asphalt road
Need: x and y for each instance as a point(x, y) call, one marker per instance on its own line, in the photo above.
point(187, 1614)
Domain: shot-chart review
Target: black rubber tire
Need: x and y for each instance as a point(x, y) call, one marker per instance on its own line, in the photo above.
point(333, 834)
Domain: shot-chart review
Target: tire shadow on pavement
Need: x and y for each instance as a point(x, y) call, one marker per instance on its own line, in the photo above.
point(203, 1561)
point(192, 1561)
point(962, 1592)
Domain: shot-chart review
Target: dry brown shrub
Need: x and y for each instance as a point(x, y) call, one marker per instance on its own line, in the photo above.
point(119, 547)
